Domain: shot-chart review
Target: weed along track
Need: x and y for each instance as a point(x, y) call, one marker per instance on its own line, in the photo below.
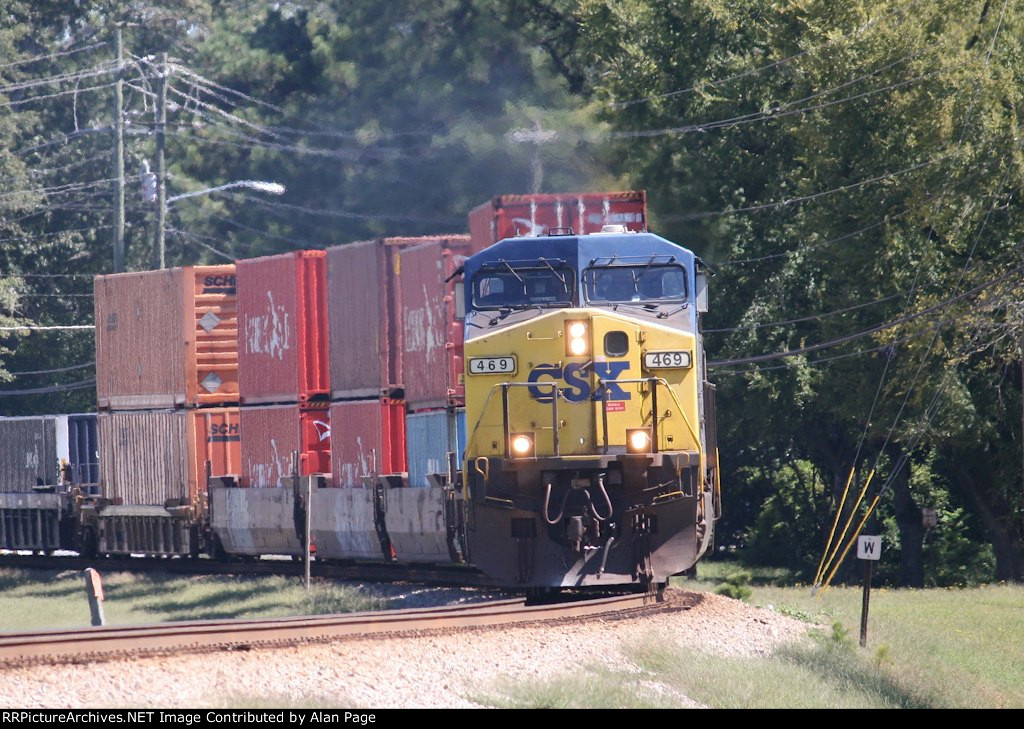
point(99, 644)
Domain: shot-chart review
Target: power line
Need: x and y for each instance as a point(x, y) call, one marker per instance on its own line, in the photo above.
point(873, 330)
point(82, 366)
point(761, 116)
point(805, 198)
point(34, 328)
point(812, 317)
point(206, 84)
point(51, 56)
point(334, 213)
point(818, 361)
point(98, 70)
point(80, 385)
point(56, 94)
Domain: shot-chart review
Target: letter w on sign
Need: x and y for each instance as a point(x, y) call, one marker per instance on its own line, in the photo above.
point(869, 548)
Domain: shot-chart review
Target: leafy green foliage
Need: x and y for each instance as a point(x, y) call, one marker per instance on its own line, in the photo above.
point(736, 585)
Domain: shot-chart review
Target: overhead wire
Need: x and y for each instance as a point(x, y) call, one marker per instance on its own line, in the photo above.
point(79, 385)
point(812, 317)
point(54, 371)
point(872, 330)
point(51, 56)
point(761, 115)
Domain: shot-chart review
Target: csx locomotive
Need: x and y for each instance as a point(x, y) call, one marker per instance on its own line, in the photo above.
point(590, 456)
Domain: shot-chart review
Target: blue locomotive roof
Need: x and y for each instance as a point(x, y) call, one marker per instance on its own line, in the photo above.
point(579, 251)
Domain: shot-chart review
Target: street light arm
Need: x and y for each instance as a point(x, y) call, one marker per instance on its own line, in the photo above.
point(275, 188)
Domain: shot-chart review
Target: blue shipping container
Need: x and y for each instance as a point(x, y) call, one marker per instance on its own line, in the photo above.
point(429, 436)
point(84, 449)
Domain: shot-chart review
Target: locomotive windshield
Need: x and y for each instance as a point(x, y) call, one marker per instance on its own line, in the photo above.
point(510, 286)
point(644, 283)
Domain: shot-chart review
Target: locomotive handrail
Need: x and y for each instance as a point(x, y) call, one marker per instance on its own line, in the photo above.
point(654, 381)
point(554, 412)
point(471, 439)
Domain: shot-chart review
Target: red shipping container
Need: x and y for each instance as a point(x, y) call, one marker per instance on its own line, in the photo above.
point(271, 433)
point(432, 334)
point(166, 338)
point(365, 303)
point(282, 336)
point(153, 457)
point(369, 437)
point(507, 216)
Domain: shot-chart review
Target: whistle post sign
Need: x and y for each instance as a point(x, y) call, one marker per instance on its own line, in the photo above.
point(869, 548)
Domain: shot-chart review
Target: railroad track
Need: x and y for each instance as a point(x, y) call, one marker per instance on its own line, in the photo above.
point(456, 575)
point(106, 643)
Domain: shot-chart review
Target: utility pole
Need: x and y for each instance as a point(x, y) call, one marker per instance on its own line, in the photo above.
point(119, 158)
point(536, 136)
point(161, 172)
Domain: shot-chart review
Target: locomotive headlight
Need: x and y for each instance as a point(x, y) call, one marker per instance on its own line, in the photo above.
point(522, 445)
point(638, 440)
point(576, 344)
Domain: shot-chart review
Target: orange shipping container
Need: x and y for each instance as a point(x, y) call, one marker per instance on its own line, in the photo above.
point(166, 338)
point(161, 457)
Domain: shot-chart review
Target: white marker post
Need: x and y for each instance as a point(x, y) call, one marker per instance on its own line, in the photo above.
point(870, 550)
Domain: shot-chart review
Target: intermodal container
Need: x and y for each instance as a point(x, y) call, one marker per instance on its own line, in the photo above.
point(368, 438)
point(166, 338)
point(430, 436)
point(28, 453)
point(365, 303)
point(507, 216)
point(83, 449)
point(282, 336)
point(432, 329)
point(272, 433)
point(165, 457)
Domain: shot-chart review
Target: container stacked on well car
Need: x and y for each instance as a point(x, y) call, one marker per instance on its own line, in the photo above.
point(167, 390)
point(283, 381)
point(322, 347)
point(388, 352)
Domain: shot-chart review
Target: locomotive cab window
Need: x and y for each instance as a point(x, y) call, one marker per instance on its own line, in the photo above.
point(655, 284)
point(510, 286)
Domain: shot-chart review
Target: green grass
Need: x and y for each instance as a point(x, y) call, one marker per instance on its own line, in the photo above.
point(926, 648)
point(956, 646)
point(40, 599)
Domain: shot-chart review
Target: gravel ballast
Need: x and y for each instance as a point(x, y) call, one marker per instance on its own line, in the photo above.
point(424, 671)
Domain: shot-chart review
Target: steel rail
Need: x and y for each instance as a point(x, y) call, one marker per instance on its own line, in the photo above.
point(103, 643)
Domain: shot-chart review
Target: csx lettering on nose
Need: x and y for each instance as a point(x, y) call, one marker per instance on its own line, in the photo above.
point(578, 387)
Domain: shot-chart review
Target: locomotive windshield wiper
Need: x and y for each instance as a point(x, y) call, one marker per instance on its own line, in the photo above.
point(514, 273)
point(561, 277)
